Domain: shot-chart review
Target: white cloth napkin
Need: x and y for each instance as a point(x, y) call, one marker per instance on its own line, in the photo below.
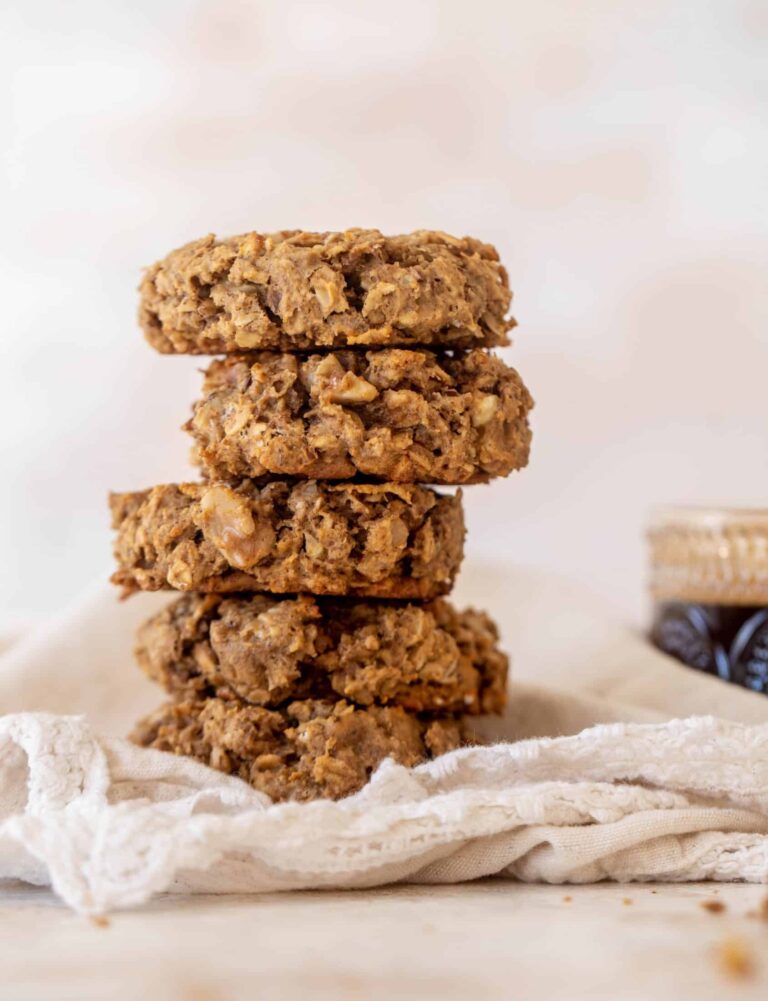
point(610, 782)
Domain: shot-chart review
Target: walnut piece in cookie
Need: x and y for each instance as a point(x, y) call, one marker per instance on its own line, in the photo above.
point(227, 522)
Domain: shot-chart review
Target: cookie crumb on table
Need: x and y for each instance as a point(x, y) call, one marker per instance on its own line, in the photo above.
point(713, 906)
point(735, 958)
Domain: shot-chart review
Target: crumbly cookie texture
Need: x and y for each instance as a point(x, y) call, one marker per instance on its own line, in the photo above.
point(311, 749)
point(378, 540)
point(393, 414)
point(267, 650)
point(295, 291)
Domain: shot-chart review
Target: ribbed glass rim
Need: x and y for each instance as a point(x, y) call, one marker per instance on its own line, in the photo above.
point(705, 516)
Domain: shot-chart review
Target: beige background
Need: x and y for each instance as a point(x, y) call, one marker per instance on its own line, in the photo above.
point(615, 152)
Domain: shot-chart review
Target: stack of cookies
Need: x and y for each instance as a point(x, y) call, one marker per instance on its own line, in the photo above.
point(312, 640)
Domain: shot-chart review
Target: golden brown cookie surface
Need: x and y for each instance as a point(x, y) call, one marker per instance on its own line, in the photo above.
point(268, 650)
point(311, 749)
point(297, 291)
point(392, 414)
point(287, 537)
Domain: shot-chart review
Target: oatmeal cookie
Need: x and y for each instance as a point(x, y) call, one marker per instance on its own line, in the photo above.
point(267, 650)
point(395, 415)
point(297, 291)
point(311, 749)
point(379, 540)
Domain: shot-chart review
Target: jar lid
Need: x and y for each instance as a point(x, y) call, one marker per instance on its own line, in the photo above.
point(716, 556)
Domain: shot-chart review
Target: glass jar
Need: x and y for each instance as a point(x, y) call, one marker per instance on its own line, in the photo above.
point(709, 582)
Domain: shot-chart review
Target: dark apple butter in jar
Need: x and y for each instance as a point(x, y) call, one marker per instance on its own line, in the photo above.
point(709, 582)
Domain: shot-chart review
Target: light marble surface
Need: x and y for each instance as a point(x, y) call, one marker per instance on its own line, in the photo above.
point(493, 939)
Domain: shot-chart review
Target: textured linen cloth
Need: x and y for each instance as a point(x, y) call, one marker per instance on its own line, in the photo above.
point(613, 762)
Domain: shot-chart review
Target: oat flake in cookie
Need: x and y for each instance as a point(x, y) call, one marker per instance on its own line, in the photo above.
point(378, 540)
point(297, 291)
point(392, 414)
point(268, 650)
point(309, 749)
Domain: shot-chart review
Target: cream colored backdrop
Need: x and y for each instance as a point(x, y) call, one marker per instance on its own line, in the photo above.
point(615, 152)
